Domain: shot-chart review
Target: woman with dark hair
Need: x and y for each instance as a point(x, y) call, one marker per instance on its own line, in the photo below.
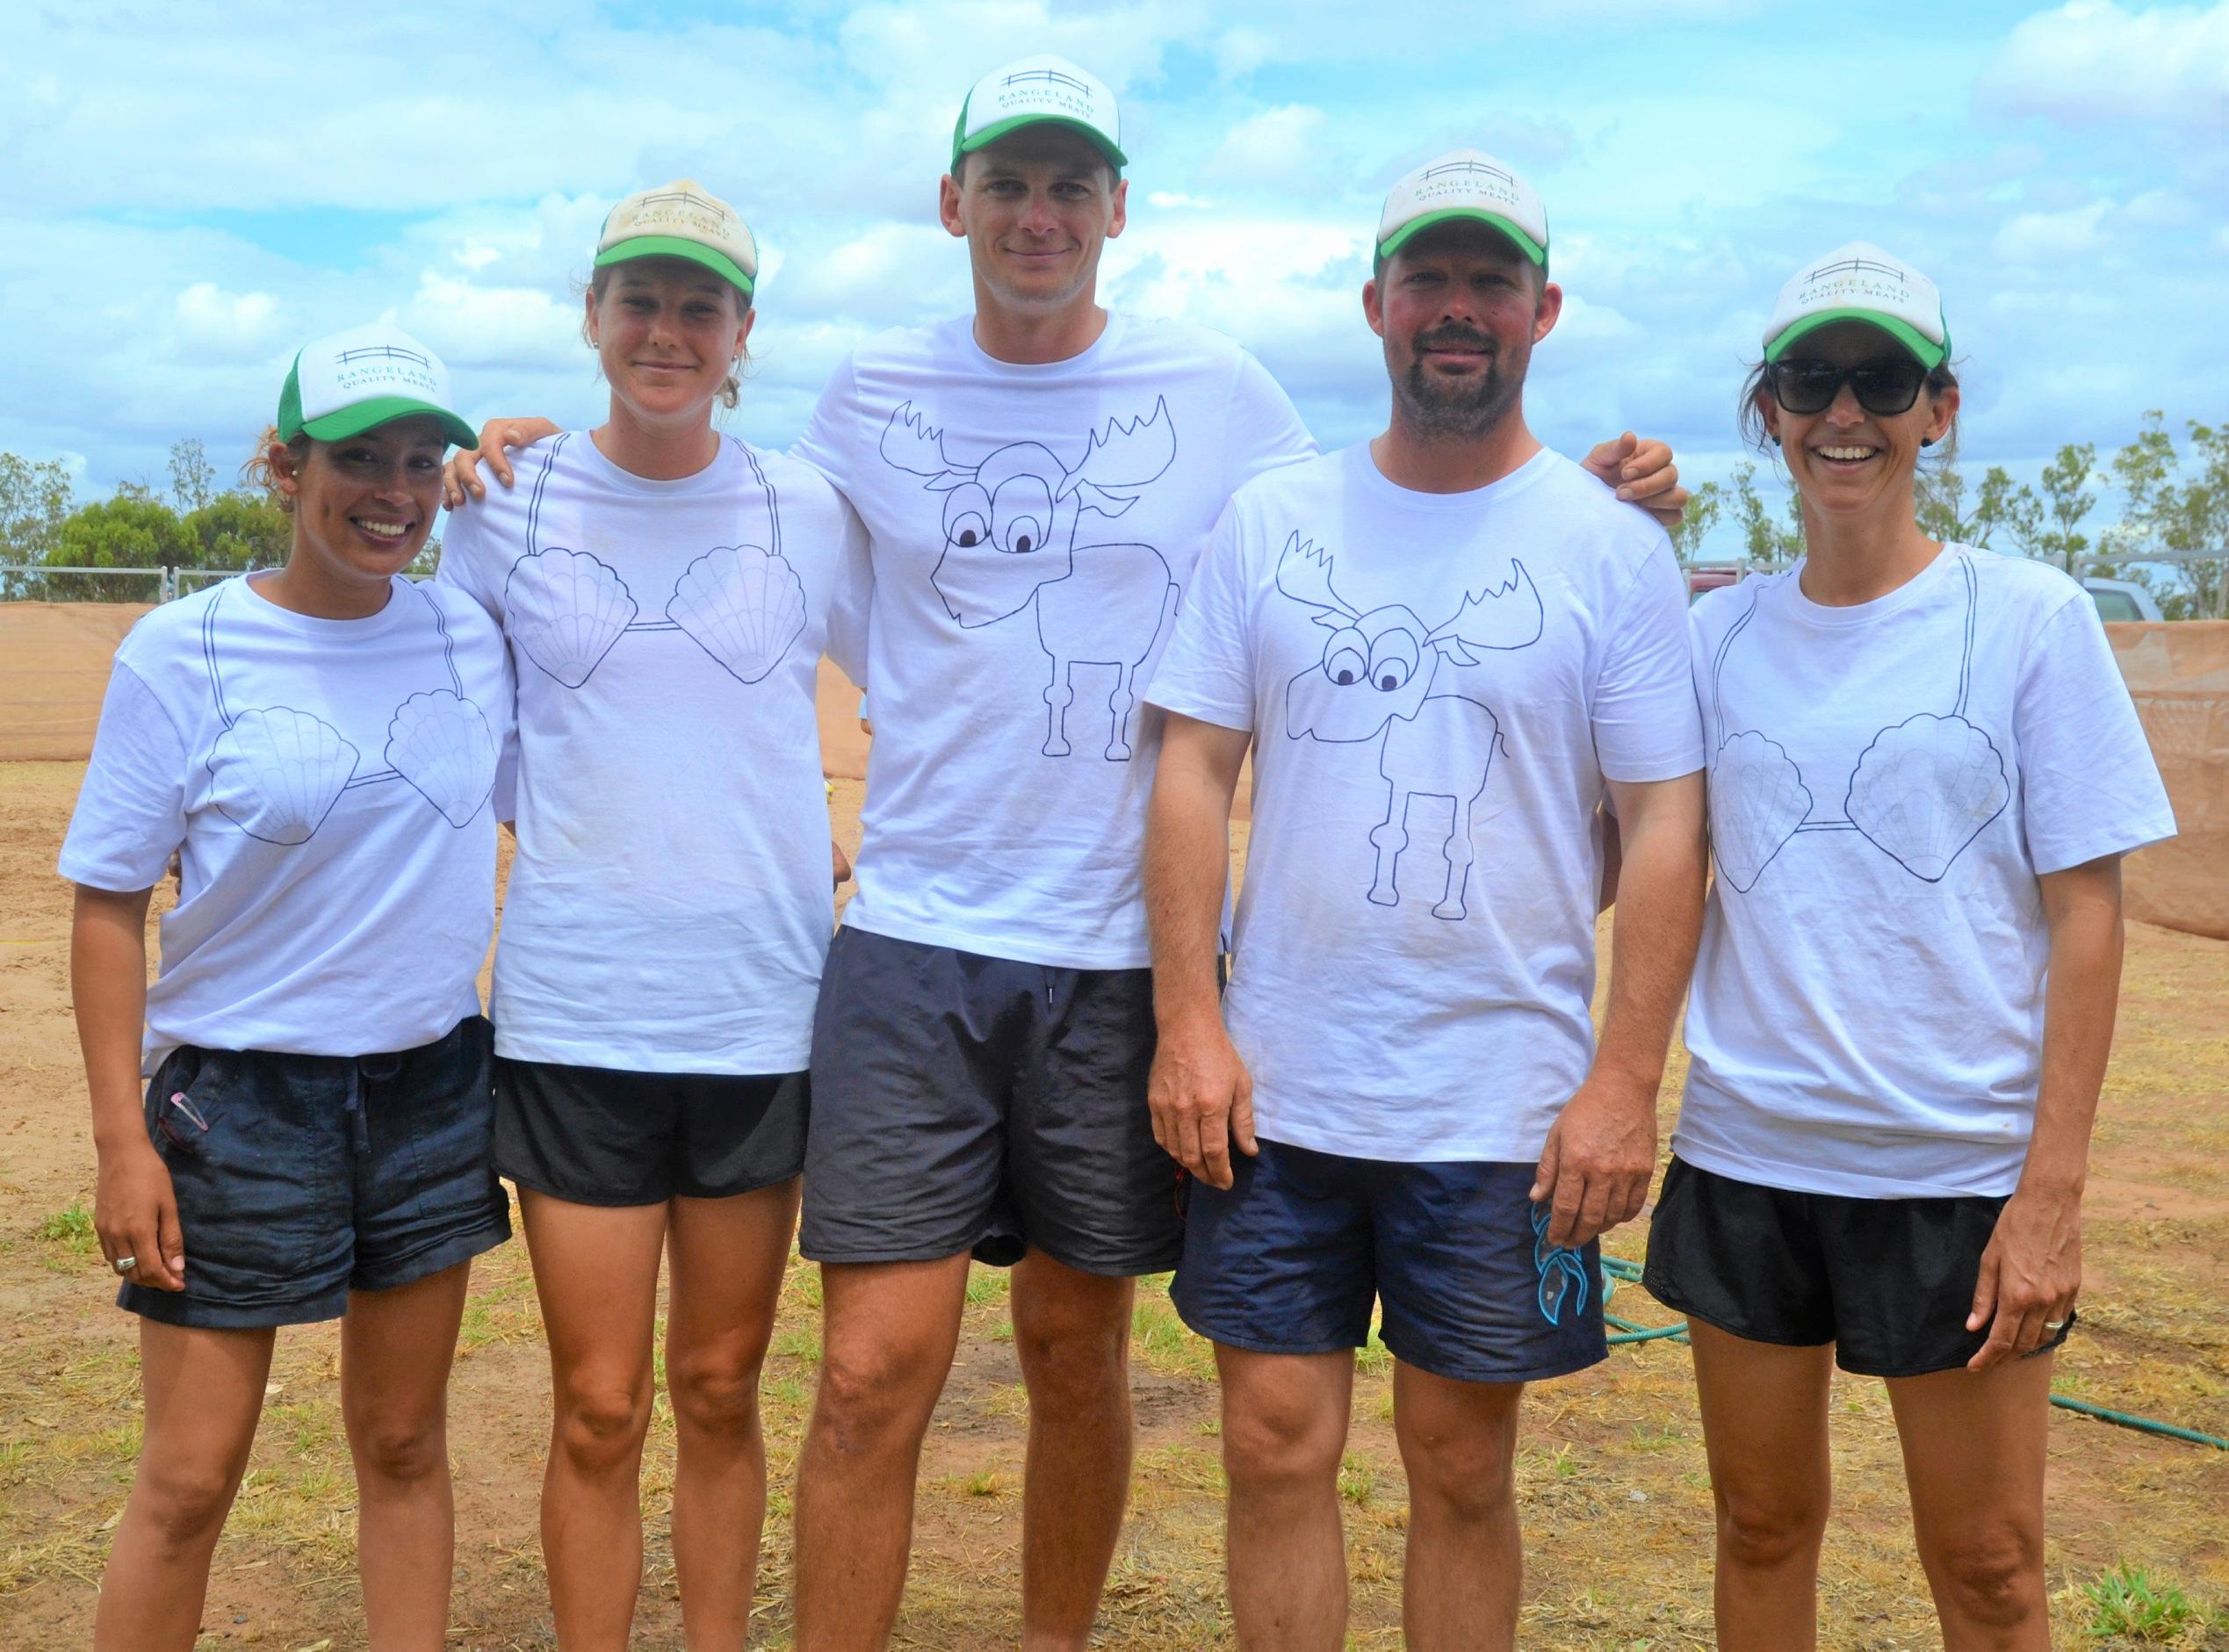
point(1924, 770)
point(320, 746)
point(667, 592)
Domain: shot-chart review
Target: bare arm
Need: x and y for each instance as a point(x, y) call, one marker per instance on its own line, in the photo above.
point(2032, 1269)
point(135, 1211)
point(1200, 1091)
point(1594, 1171)
point(460, 477)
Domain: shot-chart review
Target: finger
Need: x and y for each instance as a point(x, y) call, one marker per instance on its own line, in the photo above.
point(1670, 516)
point(1544, 1173)
point(1644, 458)
point(1594, 1209)
point(452, 493)
point(1215, 1147)
point(465, 467)
point(169, 1242)
point(1654, 488)
point(1570, 1190)
point(1242, 1119)
point(499, 457)
point(1162, 1138)
point(1632, 1192)
point(2031, 1334)
point(2002, 1332)
point(144, 1246)
point(1985, 1293)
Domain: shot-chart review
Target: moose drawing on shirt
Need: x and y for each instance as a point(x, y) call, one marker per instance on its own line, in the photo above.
point(1012, 522)
point(1388, 678)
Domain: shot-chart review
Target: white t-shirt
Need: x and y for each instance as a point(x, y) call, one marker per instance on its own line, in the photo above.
point(669, 907)
point(331, 787)
point(1032, 528)
point(1886, 780)
point(1437, 685)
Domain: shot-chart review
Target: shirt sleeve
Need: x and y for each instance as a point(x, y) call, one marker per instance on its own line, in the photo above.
point(2089, 786)
point(464, 564)
point(1647, 725)
point(851, 602)
point(131, 811)
point(1208, 670)
point(824, 443)
point(1264, 430)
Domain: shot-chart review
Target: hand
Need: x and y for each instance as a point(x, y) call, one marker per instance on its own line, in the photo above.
point(1643, 475)
point(460, 477)
point(1601, 1151)
point(135, 1214)
point(842, 866)
point(1202, 1099)
point(2031, 1274)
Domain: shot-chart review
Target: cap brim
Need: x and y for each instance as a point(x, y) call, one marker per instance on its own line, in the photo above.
point(360, 417)
point(1930, 354)
point(673, 247)
point(1416, 227)
point(991, 133)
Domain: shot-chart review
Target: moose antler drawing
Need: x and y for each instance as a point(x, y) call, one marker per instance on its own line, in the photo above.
point(1381, 679)
point(1011, 523)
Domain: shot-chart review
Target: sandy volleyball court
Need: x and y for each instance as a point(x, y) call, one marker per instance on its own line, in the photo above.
point(1611, 1482)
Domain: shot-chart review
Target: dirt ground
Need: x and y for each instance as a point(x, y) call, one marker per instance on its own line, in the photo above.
point(1612, 1480)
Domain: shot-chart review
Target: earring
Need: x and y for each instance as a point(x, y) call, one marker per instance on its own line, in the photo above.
point(1775, 441)
point(1927, 441)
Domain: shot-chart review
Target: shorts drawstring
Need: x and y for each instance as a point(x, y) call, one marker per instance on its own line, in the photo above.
point(359, 1069)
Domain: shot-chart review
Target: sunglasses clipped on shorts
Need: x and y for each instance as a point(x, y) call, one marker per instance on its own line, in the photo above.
point(1885, 386)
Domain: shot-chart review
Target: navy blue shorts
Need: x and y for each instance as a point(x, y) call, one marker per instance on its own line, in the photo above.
point(1889, 1281)
point(300, 1178)
point(963, 1104)
point(1290, 1259)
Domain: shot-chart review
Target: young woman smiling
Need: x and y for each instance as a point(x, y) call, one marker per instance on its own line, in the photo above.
point(667, 593)
point(320, 746)
point(1924, 770)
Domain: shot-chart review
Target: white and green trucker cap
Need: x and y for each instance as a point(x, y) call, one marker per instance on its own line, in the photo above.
point(681, 220)
point(1034, 92)
point(1465, 184)
point(1861, 283)
point(347, 383)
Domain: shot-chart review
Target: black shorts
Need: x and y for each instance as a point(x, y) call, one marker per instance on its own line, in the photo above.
point(1889, 1281)
point(966, 1104)
point(300, 1178)
point(591, 1135)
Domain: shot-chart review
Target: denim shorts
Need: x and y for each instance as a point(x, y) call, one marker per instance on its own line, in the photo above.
point(1290, 1257)
point(300, 1178)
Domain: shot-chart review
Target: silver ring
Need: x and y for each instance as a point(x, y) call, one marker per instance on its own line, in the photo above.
point(125, 1263)
point(2054, 1324)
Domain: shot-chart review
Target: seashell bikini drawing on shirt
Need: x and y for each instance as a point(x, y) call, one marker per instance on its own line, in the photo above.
point(744, 605)
point(1922, 790)
point(276, 771)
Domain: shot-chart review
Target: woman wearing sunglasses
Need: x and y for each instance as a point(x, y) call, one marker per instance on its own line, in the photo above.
point(1924, 770)
point(320, 746)
point(667, 592)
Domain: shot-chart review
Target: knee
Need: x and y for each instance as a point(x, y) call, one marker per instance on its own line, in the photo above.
point(600, 1426)
point(1470, 1474)
point(1763, 1532)
point(1268, 1446)
point(403, 1450)
point(185, 1504)
point(715, 1396)
point(1074, 1368)
point(872, 1398)
point(1992, 1575)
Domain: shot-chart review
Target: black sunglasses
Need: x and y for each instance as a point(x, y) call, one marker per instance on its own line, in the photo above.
point(1885, 386)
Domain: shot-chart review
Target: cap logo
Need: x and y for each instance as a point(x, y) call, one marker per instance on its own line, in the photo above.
point(386, 352)
point(1855, 276)
point(1449, 167)
point(1051, 75)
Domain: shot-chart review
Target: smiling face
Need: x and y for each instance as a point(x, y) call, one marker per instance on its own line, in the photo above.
point(1460, 309)
point(1846, 461)
point(363, 506)
point(668, 333)
point(1036, 208)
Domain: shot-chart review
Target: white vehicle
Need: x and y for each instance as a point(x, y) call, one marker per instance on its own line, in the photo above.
point(2120, 600)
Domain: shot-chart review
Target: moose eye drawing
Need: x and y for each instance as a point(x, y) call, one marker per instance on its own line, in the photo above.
point(1014, 541)
point(1388, 679)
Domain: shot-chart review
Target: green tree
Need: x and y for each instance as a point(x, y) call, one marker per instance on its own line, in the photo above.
point(130, 531)
point(34, 502)
point(239, 529)
point(1705, 505)
point(1763, 539)
point(2066, 500)
point(2000, 506)
point(193, 480)
point(2167, 512)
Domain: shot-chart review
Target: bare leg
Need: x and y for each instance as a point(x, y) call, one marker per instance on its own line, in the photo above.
point(1284, 1427)
point(595, 1271)
point(1388, 838)
point(728, 1256)
point(396, 1349)
point(203, 1392)
point(1764, 1424)
point(1071, 1332)
point(1465, 1560)
point(1060, 694)
point(890, 1329)
point(1973, 1454)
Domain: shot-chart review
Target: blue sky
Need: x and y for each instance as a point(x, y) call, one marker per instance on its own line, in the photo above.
point(191, 191)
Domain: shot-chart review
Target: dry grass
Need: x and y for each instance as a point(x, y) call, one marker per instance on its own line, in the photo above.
point(1612, 1476)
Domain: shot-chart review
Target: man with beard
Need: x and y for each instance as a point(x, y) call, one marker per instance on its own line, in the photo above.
point(1449, 648)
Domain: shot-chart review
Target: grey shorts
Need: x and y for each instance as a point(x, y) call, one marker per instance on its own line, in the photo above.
point(962, 1104)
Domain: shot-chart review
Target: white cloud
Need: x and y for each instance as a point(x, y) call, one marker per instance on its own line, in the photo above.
point(224, 323)
point(2034, 238)
point(2094, 60)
